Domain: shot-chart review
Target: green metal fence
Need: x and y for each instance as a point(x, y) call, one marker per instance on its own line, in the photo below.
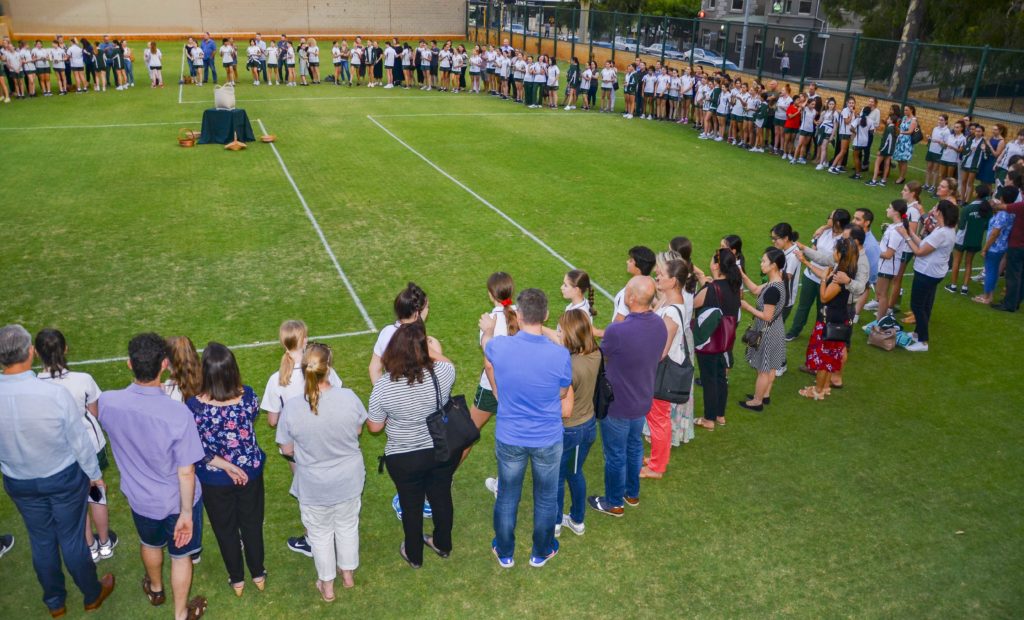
point(953, 78)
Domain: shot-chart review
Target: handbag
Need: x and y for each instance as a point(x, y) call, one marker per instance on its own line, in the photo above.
point(450, 426)
point(917, 135)
point(752, 337)
point(603, 394)
point(835, 332)
point(883, 338)
point(672, 381)
point(715, 331)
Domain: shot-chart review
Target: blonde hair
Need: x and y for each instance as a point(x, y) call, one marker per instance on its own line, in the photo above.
point(316, 363)
point(577, 332)
point(291, 334)
point(311, 41)
point(186, 371)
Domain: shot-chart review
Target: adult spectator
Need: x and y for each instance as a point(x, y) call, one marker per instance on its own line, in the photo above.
point(824, 240)
point(49, 465)
point(1014, 248)
point(156, 445)
point(930, 267)
point(231, 473)
point(209, 47)
point(321, 430)
point(769, 355)
point(260, 43)
point(784, 64)
point(722, 294)
point(414, 384)
point(532, 375)
point(863, 218)
point(632, 348)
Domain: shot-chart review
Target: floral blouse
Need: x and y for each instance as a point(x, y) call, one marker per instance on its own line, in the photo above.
point(228, 431)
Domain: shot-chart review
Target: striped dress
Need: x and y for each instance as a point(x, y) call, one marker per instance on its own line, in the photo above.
point(771, 354)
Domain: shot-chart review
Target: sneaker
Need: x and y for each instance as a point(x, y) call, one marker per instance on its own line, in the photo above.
point(396, 506)
point(492, 486)
point(820, 167)
point(855, 176)
point(781, 371)
point(918, 347)
point(6, 544)
point(506, 562)
point(881, 183)
point(106, 550)
point(600, 504)
point(790, 337)
point(871, 305)
point(964, 290)
point(298, 545)
point(632, 501)
point(428, 512)
point(94, 551)
point(538, 561)
point(198, 557)
point(980, 277)
point(950, 288)
point(833, 170)
point(558, 530)
point(576, 528)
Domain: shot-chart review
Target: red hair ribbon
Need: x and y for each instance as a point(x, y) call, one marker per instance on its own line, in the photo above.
point(505, 302)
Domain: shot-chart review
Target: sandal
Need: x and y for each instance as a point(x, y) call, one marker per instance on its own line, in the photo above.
point(646, 472)
point(260, 582)
point(196, 608)
point(155, 598)
point(401, 552)
point(812, 393)
point(239, 588)
point(980, 300)
point(705, 424)
point(428, 540)
point(320, 588)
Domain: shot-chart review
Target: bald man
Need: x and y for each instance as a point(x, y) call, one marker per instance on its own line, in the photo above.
point(632, 350)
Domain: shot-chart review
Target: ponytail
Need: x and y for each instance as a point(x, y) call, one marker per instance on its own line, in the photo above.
point(291, 334)
point(590, 302)
point(501, 287)
point(316, 363)
point(726, 261)
point(50, 345)
point(581, 280)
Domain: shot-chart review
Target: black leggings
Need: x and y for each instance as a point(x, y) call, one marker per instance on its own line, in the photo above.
point(715, 383)
point(236, 515)
point(416, 474)
point(922, 299)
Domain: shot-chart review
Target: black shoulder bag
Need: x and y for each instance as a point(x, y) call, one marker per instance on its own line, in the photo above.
point(451, 427)
point(603, 395)
point(672, 381)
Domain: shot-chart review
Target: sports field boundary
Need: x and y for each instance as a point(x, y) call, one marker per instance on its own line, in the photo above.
point(487, 204)
point(320, 232)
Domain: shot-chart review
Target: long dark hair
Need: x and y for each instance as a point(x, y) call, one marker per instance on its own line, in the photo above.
point(502, 288)
point(581, 280)
point(407, 356)
point(51, 345)
point(840, 218)
point(410, 301)
point(777, 257)
point(221, 378)
point(727, 266)
point(735, 244)
point(848, 255)
point(783, 230)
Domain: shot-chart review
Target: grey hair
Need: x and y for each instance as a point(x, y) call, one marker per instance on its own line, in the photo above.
point(15, 342)
point(532, 304)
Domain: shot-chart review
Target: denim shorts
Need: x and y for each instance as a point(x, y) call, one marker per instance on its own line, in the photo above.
point(159, 533)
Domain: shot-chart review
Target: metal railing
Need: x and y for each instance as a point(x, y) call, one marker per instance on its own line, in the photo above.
point(986, 81)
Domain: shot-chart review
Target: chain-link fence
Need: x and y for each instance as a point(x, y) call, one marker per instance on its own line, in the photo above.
point(986, 82)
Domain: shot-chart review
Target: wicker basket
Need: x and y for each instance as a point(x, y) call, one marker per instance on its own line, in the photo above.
point(187, 138)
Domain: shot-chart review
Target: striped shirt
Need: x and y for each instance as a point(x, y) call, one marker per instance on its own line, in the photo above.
point(404, 408)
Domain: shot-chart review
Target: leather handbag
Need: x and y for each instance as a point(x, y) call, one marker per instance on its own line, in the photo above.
point(723, 336)
point(672, 381)
point(752, 337)
point(836, 332)
point(603, 394)
point(451, 427)
point(883, 338)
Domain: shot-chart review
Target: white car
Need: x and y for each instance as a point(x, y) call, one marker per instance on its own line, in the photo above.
point(517, 29)
point(671, 51)
point(628, 44)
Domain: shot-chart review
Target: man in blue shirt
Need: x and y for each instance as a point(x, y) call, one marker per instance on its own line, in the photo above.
point(532, 376)
point(48, 464)
point(864, 217)
point(209, 58)
point(632, 350)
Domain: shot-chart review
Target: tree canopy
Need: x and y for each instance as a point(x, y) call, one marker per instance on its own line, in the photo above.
point(670, 8)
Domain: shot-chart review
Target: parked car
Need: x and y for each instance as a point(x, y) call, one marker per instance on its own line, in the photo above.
point(729, 65)
point(671, 50)
point(628, 44)
point(700, 54)
point(571, 38)
point(517, 29)
point(601, 43)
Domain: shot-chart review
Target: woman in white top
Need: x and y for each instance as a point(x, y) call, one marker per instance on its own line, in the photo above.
point(671, 423)
point(186, 372)
point(577, 289)
point(41, 57)
point(253, 54)
point(58, 57)
point(824, 241)
point(313, 58)
point(320, 430)
point(890, 260)
point(197, 61)
point(52, 349)
point(154, 60)
point(476, 63)
point(552, 85)
point(76, 58)
point(411, 305)
point(930, 268)
point(939, 136)
point(952, 147)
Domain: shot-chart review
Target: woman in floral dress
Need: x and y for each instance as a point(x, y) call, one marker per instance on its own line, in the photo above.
point(904, 144)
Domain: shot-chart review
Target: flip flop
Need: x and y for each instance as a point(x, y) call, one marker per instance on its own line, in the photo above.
point(320, 589)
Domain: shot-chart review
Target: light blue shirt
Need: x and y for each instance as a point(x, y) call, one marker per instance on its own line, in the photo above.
point(874, 252)
point(42, 430)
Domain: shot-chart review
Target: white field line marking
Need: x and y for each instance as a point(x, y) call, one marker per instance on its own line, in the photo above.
point(320, 233)
point(248, 345)
point(541, 114)
point(487, 204)
point(181, 75)
point(49, 127)
point(348, 98)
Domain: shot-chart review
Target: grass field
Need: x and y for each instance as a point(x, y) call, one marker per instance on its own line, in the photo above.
point(900, 496)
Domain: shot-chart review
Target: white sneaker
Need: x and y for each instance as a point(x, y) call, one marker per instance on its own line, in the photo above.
point(820, 167)
point(94, 551)
point(918, 347)
point(492, 486)
point(576, 528)
point(256, 83)
point(719, 139)
point(781, 371)
point(558, 530)
point(390, 86)
point(871, 305)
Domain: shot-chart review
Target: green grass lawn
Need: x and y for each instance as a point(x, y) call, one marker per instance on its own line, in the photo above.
point(900, 496)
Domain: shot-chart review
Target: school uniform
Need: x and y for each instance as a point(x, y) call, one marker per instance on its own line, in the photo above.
point(227, 56)
point(892, 240)
point(974, 155)
point(954, 146)
point(939, 134)
point(888, 145)
point(807, 116)
point(862, 133)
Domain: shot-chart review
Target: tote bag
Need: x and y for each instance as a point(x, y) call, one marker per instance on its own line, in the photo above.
point(450, 426)
point(673, 380)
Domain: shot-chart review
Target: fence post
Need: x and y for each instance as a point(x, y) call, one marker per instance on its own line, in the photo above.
point(554, 34)
point(525, 19)
point(725, 45)
point(664, 37)
point(487, 22)
point(764, 45)
point(615, 33)
point(808, 48)
point(853, 64)
point(977, 79)
point(639, 35)
point(467, 20)
point(910, 73)
point(590, 34)
point(693, 40)
point(575, 27)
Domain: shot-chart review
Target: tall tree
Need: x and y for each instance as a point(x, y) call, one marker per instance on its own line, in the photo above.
point(911, 30)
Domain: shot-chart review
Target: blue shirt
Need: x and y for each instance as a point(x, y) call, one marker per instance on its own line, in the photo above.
point(228, 431)
point(1004, 222)
point(42, 430)
point(874, 252)
point(530, 372)
point(632, 350)
point(209, 49)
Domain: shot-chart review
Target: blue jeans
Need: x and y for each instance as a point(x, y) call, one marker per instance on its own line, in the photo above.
point(209, 65)
point(54, 512)
point(511, 471)
point(346, 75)
point(992, 262)
point(576, 442)
point(623, 458)
point(129, 71)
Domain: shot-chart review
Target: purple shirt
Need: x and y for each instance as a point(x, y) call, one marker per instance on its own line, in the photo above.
point(632, 350)
point(152, 435)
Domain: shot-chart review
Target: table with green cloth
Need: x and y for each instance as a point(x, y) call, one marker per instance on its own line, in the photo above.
point(221, 127)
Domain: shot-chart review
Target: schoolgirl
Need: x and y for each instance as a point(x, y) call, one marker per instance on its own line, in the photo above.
point(313, 58)
point(972, 226)
point(444, 64)
point(274, 66)
point(687, 85)
point(458, 66)
point(939, 136)
point(116, 54)
point(585, 79)
point(552, 85)
point(650, 84)
point(890, 261)
point(519, 77)
point(761, 117)
point(154, 62)
point(952, 148)
point(997, 142)
point(807, 112)
point(425, 61)
point(576, 288)
point(197, 62)
point(978, 150)
point(572, 83)
point(28, 67)
point(863, 128)
point(674, 86)
point(500, 292)
point(661, 94)
point(844, 122)
point(782, 103)
point(826, 132)
point(229, 58)
point(885, 152)
point(1011, 150)
point(750, 108)
point(356, 60)
point(58, 57)
point(722, 114)
point(41, 58)
point(76, 60)
point(289, 64)
point(476, 64)
point(608, 78)
point(737, 113)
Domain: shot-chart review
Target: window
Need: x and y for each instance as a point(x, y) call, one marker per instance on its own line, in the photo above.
point(737, 5)
point(739, 42)
point(711, 4)
point(804, 8)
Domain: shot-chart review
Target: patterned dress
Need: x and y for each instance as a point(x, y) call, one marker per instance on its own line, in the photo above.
point(227, 431)
point(904, 148)
point(771, 354)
